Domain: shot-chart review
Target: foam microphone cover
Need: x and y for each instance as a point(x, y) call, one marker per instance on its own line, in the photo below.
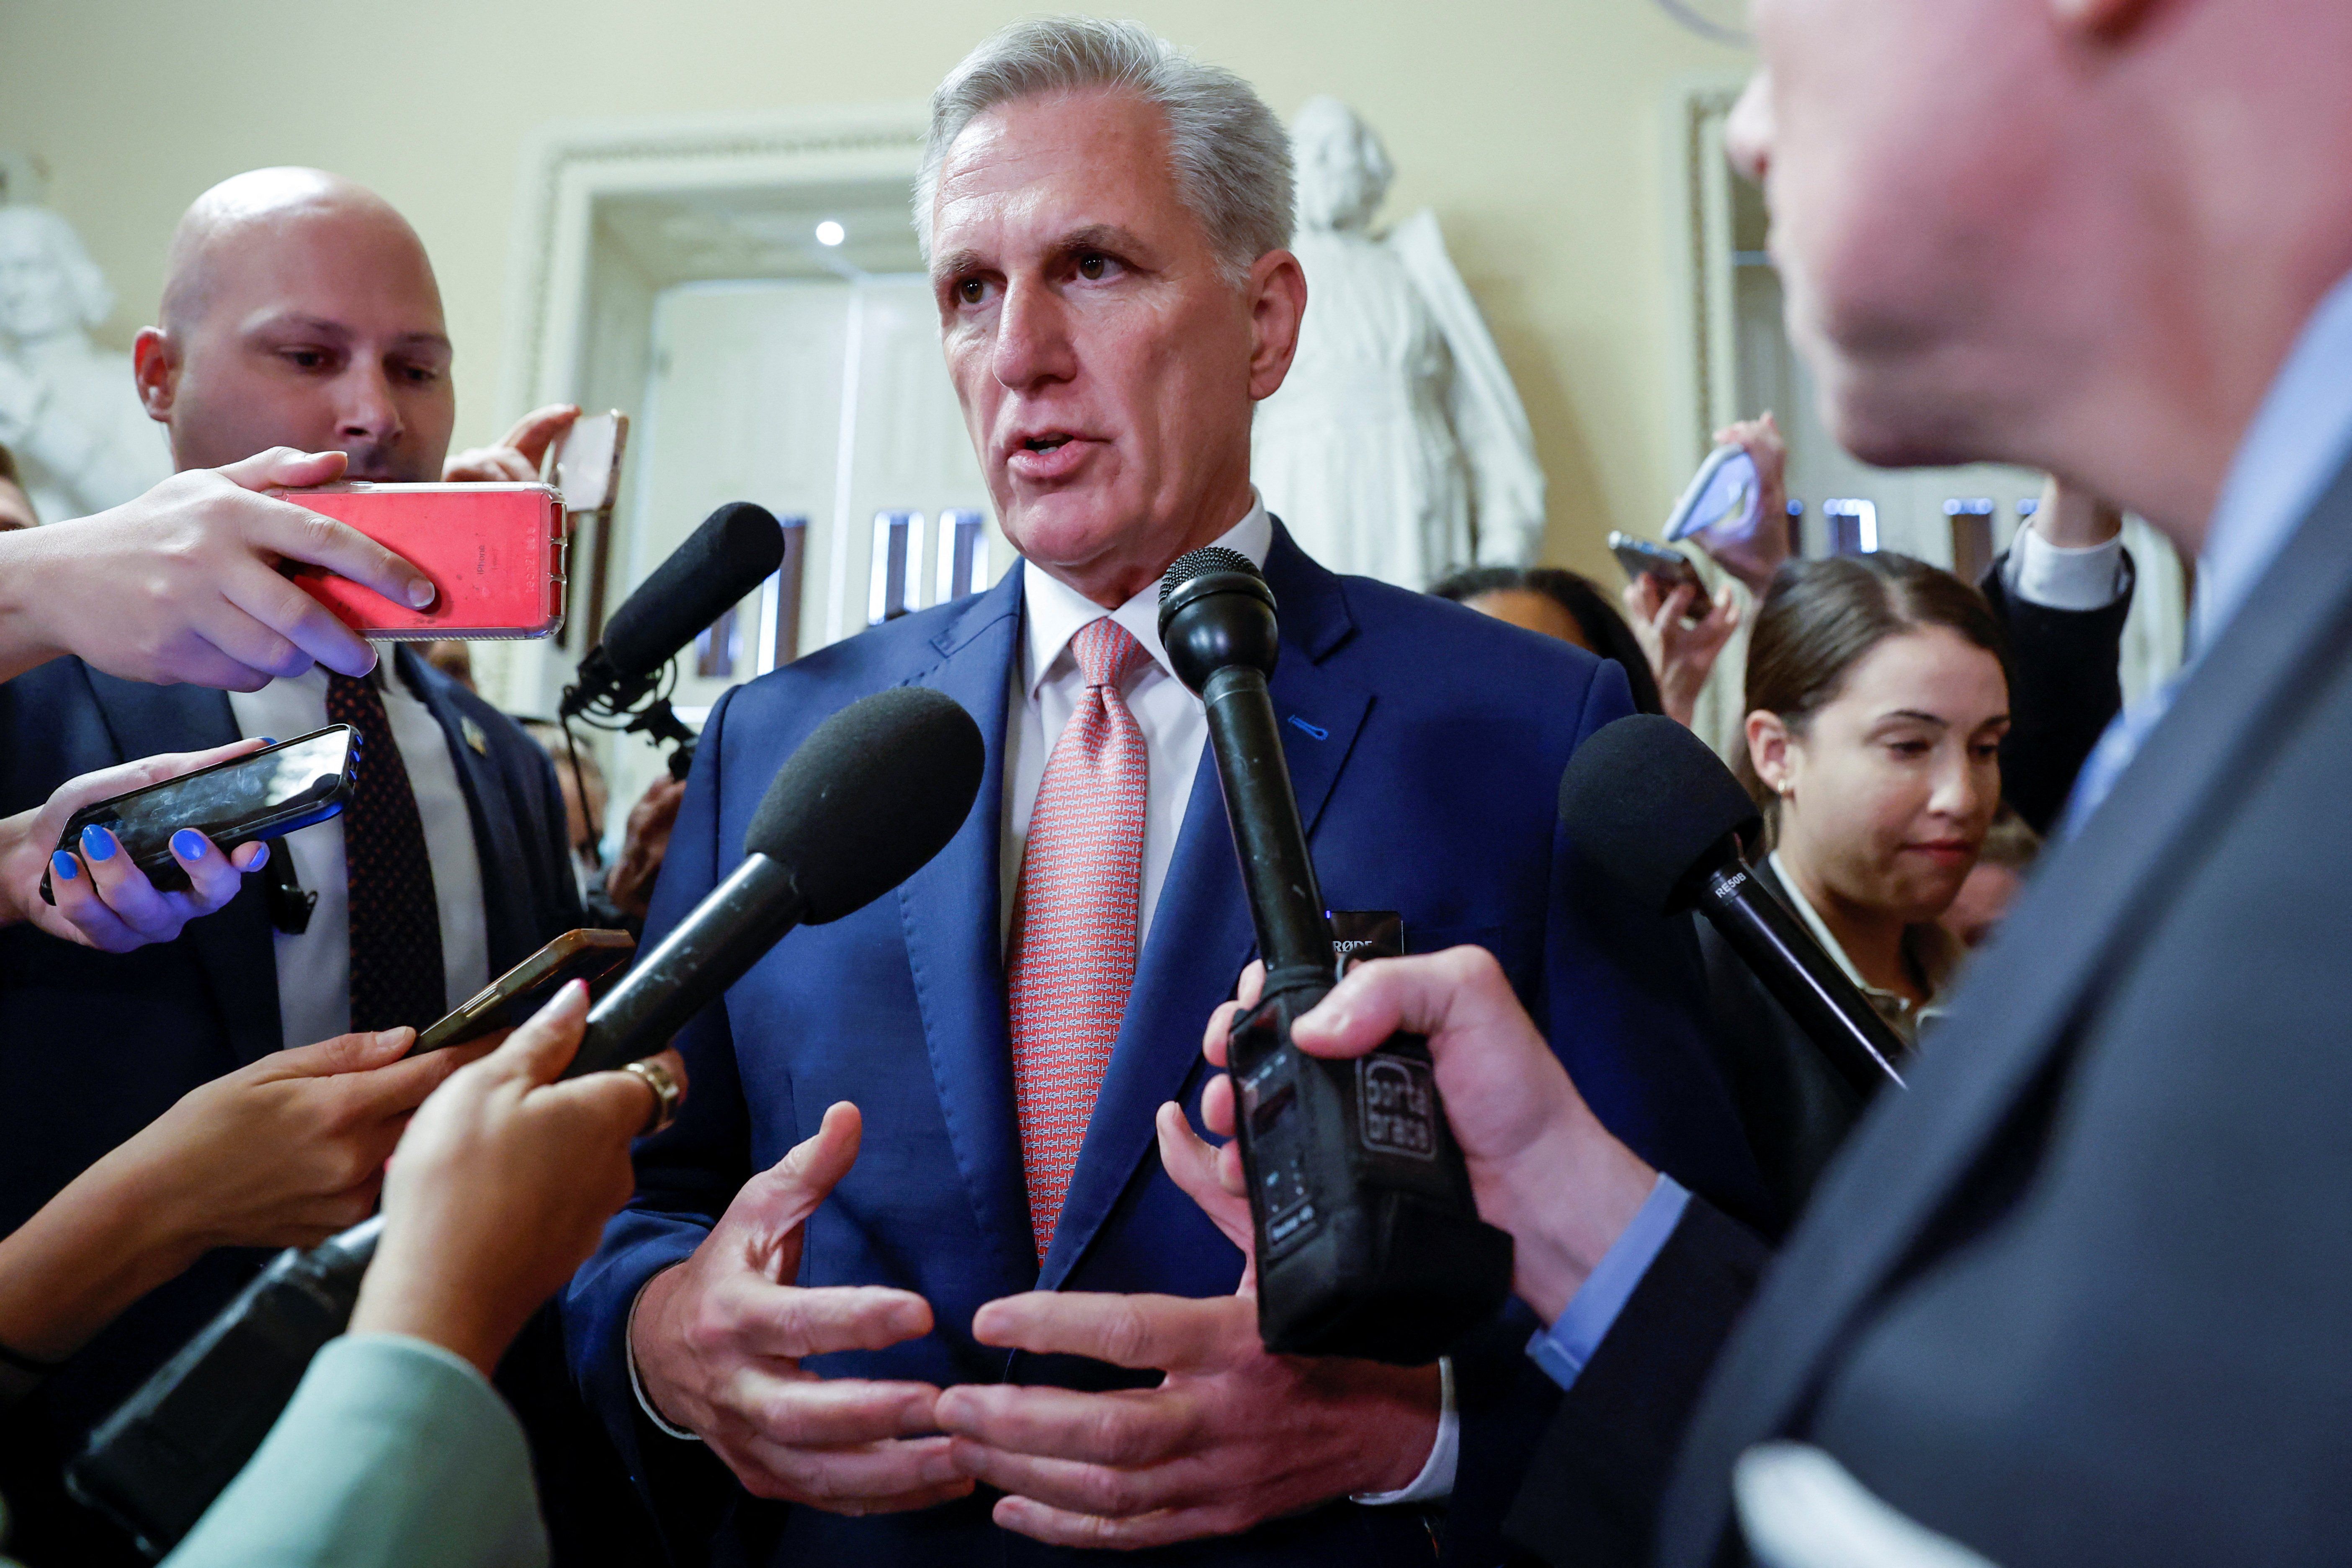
point(876, 790)
point(1650, 802)
point(736, 548)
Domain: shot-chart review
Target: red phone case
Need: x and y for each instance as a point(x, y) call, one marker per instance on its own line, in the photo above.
point(494, 552)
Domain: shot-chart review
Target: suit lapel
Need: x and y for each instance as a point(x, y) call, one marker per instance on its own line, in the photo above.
point(2079, 919)
point(948, 912)
point(233, 946)
point(511, 931)
point(1202, 934)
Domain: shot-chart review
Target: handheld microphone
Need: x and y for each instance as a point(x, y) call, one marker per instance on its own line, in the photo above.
point(1650, 804)
point(867, 800)
point(738, 547)
point(1368, 1241)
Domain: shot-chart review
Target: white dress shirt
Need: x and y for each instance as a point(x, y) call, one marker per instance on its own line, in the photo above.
point(314, 966)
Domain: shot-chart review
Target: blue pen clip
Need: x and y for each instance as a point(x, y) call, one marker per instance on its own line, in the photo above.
point(1316, 731)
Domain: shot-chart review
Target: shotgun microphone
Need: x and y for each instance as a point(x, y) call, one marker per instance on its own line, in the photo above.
point(1651, 805)
point(867, 799)
point(1367, 1239)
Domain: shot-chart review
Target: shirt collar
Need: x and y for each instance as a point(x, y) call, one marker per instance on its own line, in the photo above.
point(2299, 438)
point(1928, 944)
point(1053, 612)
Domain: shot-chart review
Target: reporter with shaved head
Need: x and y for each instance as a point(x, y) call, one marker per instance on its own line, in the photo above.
point(1007, 1335)
point(301, 340)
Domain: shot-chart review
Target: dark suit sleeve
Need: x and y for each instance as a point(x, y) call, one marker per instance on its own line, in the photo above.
point(686, 1176)
point(1619, 998)
point(2065, 685)
point(1593, 1488)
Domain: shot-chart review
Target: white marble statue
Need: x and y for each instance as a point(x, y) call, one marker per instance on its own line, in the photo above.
point(68, 408)
point(1398, 448)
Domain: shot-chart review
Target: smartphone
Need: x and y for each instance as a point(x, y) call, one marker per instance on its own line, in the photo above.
point(266, 793)
point(591, 955)
point(1724, 494)
point(494, 552)
point(1641, 558)
point(586, 465)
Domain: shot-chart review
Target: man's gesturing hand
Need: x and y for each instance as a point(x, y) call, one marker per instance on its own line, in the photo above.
point(517, 457)
point(718, 1341)
point(1232, 1437)
point(1542, 1164)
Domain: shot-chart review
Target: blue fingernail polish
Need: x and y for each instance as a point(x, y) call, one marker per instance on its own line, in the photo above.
point(260, 857)
point(269, 739)
point(63, 866)
point(189, 844)
point(98, 843)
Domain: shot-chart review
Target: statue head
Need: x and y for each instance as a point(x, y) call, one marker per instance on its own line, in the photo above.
point(49, 284)
point(1343, 170)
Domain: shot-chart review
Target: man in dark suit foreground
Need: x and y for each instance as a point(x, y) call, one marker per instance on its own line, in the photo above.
point(2078, 1297)
point(299, 312)
point(1002, 1260)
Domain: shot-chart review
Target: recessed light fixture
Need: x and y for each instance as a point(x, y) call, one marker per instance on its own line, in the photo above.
point(831, 233)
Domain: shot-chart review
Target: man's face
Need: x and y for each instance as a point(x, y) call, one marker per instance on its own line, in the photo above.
point(35, 301)
point(1913, 158)
point(16, 509)
point(319, 329)
point(1107, 369)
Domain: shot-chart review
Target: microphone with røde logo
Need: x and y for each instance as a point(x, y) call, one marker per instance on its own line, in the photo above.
point(864, 803)
point(1368, 1241)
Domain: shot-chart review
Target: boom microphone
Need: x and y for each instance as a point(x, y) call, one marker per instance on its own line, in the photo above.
point(867, 799)
point(738, 547)
point(1367, 1239)
point(1657, 810)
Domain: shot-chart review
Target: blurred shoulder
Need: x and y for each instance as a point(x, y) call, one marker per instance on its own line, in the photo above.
point(1427, 643)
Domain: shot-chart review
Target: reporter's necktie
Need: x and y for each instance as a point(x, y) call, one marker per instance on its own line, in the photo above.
point(1074, 920)
point(395, 921)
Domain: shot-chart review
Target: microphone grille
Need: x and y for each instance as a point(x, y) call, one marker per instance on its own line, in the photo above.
point(1200, 563)
point(1650, 802)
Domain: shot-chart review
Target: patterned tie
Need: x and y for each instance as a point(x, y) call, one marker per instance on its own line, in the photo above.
point(1074, 920)
point(396, 974)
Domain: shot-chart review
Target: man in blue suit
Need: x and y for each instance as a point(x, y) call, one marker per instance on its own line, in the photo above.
point(300, 310)
point(1107, 224)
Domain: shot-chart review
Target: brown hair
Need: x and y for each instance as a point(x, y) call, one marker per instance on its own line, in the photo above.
point(1822, 617)
point(8, 467)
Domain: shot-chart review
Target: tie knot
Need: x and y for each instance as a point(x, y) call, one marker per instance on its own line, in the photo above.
point(1107, 653)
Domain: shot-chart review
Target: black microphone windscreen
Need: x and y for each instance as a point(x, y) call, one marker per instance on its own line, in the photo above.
point(1649, 802)
point(1200, 563)
point(876, 790)
point(736, 548)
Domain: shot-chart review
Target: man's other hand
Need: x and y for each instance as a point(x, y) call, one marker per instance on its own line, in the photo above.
point(183, 585)
point(1542, 1164)
point(102, 899)
point(718, 1341)
point(1231, 1438)
point(517, 458)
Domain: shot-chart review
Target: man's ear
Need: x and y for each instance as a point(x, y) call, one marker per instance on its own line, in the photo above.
point(1277, 299)
point(156, 372)
point(2107, 19)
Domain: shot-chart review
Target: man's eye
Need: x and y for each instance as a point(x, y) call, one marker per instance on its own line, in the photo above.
point(305, 359)
point(1092, 268)
point(971, 290)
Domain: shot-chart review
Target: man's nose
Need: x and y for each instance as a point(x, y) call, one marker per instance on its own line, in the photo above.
point(1748, 134)
point(366, 409)
point(1033, 340)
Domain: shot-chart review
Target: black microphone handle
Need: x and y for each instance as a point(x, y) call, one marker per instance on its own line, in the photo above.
point(1802, 978)
point(1294, 935)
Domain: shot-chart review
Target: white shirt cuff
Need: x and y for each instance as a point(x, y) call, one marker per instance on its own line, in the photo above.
point(2059, 578)
point(1436, 1477)
point(636, 1383)
point(1563, 1349)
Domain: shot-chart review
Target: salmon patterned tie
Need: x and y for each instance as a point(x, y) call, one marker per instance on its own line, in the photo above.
point(1074, 919)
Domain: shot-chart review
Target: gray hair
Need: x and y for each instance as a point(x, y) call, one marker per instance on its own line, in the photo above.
point(1231, 155)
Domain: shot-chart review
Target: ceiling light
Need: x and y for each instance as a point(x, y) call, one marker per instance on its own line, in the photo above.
point(831, 233)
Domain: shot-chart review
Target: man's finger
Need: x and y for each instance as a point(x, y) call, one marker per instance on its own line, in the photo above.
point(1422, 994)
point(1218, 1037)
point(1126, 1429)
point(824, 1319)
point(868, 1477)
point(1067, 1527)
point(792, 1188)
point(809, 1411)
point(537, 430)
point(1192, 1164)
point(1172, 1333)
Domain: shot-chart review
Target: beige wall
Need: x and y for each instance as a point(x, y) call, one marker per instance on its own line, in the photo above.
point(1534, 127)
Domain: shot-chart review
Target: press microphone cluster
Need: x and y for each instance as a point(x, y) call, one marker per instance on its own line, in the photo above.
point(1649, 802)
point(864, 803)
point(738, 547)
point(1367, 1239)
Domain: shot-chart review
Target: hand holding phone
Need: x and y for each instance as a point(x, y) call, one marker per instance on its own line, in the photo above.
point(1672, 568)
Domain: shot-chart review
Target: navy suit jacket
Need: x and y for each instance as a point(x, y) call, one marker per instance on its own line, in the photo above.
point(1425, 745)
point(104, 1043)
